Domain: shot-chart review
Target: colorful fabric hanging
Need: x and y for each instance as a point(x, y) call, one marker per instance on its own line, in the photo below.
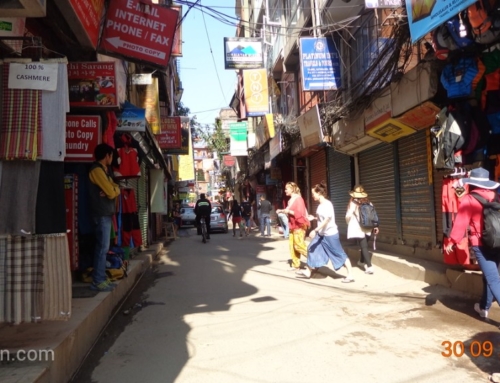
point(21, 292)
point(21, 122)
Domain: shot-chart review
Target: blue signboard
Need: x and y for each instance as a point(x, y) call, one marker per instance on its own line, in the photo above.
point(426, 15)
point(320, 64)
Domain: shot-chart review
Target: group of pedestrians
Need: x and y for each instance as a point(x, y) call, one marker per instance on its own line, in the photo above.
point(241, 216)
point(325, 243)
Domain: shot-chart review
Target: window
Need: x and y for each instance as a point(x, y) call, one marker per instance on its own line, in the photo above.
point(361, 47)
point(292, 11)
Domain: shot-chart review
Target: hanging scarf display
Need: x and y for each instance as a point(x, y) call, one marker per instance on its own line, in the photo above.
point(21, 122)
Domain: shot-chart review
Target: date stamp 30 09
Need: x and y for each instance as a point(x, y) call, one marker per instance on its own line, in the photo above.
point(474, 349)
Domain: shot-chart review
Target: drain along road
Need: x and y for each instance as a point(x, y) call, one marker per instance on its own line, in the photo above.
point(229, 311)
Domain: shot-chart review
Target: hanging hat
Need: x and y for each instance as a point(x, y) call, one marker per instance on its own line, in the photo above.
point(358, 192)
point(481, 178)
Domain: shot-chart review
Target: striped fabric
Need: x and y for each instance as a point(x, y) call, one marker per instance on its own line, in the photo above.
point(56, 278)
point(22, 290)
point(21, 121)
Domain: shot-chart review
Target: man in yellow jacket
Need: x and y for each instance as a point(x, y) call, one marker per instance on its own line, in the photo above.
point(103, 192)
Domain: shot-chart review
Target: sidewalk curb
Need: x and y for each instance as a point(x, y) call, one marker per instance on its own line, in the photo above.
point(417, 269)
point(70, 341)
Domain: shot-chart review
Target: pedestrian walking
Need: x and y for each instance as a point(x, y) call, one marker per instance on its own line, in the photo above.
point(103, 192)
point(298, 224)
point(354, 229)
point(265, 208)
point(469, 221)
point(235, 214)
point(325, 241)
point(246, 214)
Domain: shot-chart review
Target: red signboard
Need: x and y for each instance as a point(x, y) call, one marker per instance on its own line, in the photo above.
point(170, 136)
point(229, 161)
point(89, 13)
point(177, 45)
point(139, 30)
point(82, 136)
point(92, 84)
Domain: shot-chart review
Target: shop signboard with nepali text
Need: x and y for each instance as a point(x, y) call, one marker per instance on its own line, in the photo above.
point(139, 31)
point(92, 84)
point(82, 136)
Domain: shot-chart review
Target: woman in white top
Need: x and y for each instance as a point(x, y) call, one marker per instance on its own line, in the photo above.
point(325, 242)
point(354, 229)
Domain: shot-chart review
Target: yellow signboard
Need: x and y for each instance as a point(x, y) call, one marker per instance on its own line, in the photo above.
point(390, 130)
point(256, 92)
point(186, 163)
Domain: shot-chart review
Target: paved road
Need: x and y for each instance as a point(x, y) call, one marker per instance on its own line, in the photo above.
point(229, 311)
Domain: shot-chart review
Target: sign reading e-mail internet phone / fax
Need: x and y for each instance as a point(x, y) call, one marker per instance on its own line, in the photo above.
point(139, 31)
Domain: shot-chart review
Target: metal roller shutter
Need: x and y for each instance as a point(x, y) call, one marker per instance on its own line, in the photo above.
point(376, 174)
point(416, 194)
point(318, 173)
point(339, 184)
point(142, 203)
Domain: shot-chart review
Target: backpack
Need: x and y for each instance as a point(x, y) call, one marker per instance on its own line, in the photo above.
point(491, 222)
point(459, 32)
point(368, 218)
point(442, 42)
point(485, 26)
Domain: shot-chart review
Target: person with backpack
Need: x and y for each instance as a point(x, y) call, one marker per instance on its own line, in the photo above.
point(472, 220)
point(203, 208)
point(246, 214)
point(361, 220)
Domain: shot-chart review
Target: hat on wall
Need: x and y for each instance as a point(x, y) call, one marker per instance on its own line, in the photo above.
point(358, 192)
point(481, 178)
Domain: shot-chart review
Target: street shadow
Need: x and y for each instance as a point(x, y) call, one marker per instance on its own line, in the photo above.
point(190, 279)
point(458, 302)
point(483, 349)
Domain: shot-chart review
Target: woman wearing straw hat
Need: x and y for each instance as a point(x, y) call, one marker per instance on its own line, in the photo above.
point(354, 230)
point(470, 215)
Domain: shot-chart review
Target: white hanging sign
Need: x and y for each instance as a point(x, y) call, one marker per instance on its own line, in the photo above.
point(33, 75)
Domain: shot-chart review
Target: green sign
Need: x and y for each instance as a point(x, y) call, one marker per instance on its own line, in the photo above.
point(5, 26)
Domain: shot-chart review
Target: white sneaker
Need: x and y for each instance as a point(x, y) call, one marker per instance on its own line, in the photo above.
point(369, 270)
point(361, 264)
point(482, 313)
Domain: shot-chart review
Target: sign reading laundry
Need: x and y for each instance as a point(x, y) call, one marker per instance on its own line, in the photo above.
point(139, 30)
point(34, 75)
point(82, 136)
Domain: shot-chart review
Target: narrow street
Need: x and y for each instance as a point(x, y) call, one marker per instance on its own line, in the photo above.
point(229, 311)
